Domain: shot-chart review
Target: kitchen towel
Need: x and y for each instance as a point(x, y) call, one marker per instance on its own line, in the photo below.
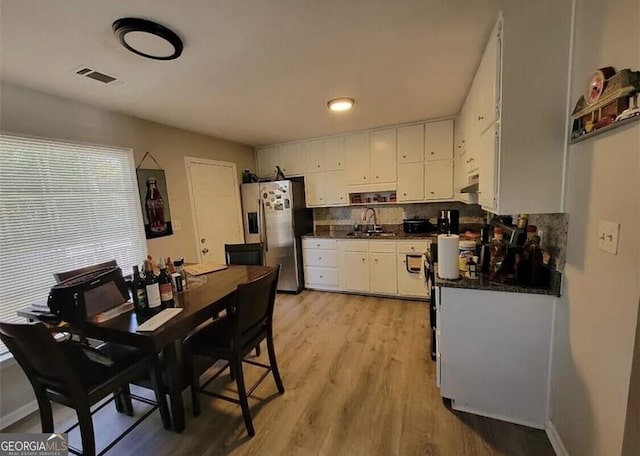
point(448, 256)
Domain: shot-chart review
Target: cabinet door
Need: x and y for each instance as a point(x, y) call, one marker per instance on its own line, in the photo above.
point(314, 155)
point(410, 182)
point(383, 155)
point(438, 140)
point(489, 81)
point(382, 273)
point(489, 150)
point(356, 148)
point(268, 158)
point(314, 189)
point(335, 189)
point(459, 137)
point(292, 159)
point(411, 144)
point(334, 153)
point(438, 179)
point(357, 271)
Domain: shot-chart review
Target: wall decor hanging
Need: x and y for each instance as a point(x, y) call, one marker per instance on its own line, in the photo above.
point(152, 186)
point(611, 100)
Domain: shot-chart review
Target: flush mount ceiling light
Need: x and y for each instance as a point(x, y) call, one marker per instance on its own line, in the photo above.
point(341, 104)
point(148, 39)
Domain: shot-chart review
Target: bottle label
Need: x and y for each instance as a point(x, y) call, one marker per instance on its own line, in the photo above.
point(166, 292)
point(142, 297)
point(153, 295)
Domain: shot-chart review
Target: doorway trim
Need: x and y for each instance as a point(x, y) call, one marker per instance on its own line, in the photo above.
point(188, 161)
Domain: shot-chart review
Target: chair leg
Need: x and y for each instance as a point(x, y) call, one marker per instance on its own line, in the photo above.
point(258, 350)
point(187, 359)
point(161, 399)
point(274, 365)
point(123, 401)
point(86, 430)
point(242, 393)
point(46, 414)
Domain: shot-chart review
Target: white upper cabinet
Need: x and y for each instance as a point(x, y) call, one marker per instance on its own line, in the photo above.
point(383, 155)
point(314, 155)
point(325, 189)
point(335, 188)
point(488, 150)
point(292, 159)
point(438, 140)
point(410, 182)
point(488, 99)
point(268, 158)
point(357, 159)
point(334, 153)
point(411, 144)
point(438, 180)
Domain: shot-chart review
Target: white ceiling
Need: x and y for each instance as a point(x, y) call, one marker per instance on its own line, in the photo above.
point(256, 71)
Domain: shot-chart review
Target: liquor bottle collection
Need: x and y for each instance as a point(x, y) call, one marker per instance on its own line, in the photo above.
point(156, 288)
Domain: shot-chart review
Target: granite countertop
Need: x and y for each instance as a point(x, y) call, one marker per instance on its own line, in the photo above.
point(385, 237)
point(483, 283)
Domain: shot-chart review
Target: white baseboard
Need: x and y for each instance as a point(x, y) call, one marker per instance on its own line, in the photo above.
point(18, 414)
point(556, 441)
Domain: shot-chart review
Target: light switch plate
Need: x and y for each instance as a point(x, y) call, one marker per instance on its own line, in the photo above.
point(608, 236)
point(177, 225)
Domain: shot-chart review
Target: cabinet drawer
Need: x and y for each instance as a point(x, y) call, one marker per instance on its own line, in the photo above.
point(319, 243)
point(321, 276)
point(413, 246)
point(382, 246)
point(356, 246)
point(317, 257)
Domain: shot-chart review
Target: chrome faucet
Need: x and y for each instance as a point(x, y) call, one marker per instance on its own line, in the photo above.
point(376, 227)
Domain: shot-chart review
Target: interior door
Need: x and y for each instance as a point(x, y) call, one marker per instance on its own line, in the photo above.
point(215, 204)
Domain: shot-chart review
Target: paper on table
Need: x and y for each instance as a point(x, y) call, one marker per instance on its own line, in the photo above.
point(203, 268)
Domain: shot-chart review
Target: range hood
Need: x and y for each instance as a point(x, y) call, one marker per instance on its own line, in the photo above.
point(472, 186)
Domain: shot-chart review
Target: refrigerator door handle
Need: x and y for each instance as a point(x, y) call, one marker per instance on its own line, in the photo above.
point(263, 227)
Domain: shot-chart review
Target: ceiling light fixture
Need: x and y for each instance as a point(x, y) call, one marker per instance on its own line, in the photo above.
point(148, 39)
point(340, 104)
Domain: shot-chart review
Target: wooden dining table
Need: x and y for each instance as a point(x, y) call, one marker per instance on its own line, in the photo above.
point(204, 296)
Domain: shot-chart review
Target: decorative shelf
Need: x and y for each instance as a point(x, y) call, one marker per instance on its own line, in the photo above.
point(606, 129)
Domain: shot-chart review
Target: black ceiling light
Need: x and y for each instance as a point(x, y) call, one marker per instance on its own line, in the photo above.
point(148, 39)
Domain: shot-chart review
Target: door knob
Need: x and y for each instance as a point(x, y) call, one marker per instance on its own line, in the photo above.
point(205, 250)
point(203, 240)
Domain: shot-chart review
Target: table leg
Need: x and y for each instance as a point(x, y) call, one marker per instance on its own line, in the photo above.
point(172, 371)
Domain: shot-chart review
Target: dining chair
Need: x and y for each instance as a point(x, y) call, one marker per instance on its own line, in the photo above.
point(250, 254)
point(248, 321)
point(79, 377)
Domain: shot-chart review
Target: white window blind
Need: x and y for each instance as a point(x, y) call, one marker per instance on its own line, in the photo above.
point(63, 206)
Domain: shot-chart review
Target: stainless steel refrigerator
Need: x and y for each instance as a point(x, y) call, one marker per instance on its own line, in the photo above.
point(274, 213)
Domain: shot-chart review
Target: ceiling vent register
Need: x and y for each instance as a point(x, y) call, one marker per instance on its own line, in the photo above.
point(96, 75)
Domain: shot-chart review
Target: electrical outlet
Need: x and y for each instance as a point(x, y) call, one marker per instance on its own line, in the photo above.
point(177, 225)
point(608, 236)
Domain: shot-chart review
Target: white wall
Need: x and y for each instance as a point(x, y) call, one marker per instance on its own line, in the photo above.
point(597, 317)
point(34, 113)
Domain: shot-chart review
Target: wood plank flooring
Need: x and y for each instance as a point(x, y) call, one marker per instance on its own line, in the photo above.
point(358, 379)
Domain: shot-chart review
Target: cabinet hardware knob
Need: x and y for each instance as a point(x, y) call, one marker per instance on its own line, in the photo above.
point(364, 177)
point(413, 248)
point(432, 193)
point(404, 194)
point(322, 277)
point(433, 153)
point(404, 156)
point(339, 163)
point(363, 260)
point(377, 177)
point(480, 117)
point(376, 260)
point(319, 258)
point(317, 245)
point(318, 166)
point(463, 141)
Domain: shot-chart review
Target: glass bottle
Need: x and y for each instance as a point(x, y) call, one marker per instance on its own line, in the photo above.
point(532, 231)
point(139, 291)
point(152, 287)
point(164, 281)
point(154, 206)
point(497, 253)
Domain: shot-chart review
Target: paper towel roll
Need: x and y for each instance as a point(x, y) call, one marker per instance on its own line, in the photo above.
point(448, 256)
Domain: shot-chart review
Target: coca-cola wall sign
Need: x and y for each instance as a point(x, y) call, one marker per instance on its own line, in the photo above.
point(154, 200)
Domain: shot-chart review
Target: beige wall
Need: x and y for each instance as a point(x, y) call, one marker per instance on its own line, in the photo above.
point(597, 317)
point(34, 113)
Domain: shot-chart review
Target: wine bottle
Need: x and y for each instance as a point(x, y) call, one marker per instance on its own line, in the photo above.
point(166, 290)
point(139, 291)
point(152, 287)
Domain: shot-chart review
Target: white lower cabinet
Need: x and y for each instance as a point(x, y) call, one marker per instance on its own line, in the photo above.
point(493, 353)
point(364, 266)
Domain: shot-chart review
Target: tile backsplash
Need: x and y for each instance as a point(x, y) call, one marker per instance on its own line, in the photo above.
point(394, 214)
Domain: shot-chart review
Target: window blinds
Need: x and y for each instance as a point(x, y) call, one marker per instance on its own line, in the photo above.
point(62, 206)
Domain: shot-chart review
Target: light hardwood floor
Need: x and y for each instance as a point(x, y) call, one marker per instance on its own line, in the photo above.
point(359, 381)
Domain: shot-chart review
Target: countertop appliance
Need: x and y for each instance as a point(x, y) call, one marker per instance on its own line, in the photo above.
point(448, 222)
point(417, 225)
point(274, 214)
